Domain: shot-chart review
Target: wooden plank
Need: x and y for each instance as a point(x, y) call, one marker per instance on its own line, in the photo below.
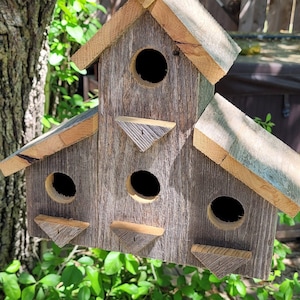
point(61, 231)
point(221, 261)
point(69, 133)
point(144, 132)
point(250, 153)
point(146, 3)
point(135, 237)
point(108, 34)
point(193, 35)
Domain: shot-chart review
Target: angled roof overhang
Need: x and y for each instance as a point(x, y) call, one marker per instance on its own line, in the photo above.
point(191, 27)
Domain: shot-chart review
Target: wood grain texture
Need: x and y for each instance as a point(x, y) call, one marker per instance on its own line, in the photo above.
point(247, 151)
point(146, 3)
point(144, 132)
point(67, 134)
point(190, 25)
point(135, 237)
point(189, 181)
point(221, 261)
point(109, 33)
point(60, 230)
point(187, 23)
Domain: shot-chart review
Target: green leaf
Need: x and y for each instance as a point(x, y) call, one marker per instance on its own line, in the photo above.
point(84, 293)
point(40, 295)
point(74, 67)
point(11, 287)
point(189, 269)
point(13, 267)
point(130, 289)
point(28, 292)
point(93, 276)
point(26, 278)
point(188, 290)
point(76, 33)
point(55, 59)
point(112, 263)
point(131, 264)
point(241, 288)
point(86, 261)
point(71, 275)
point(50, 280)
point(214, 279)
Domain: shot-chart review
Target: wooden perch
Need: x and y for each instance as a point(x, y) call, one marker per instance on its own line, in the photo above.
point(144, 132)
point(60, 230)
point(251, 154)
point(67, 134)
point(134, 236)
point(221, 261)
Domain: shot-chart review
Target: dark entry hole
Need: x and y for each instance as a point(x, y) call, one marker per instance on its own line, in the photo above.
point(227, 209)
point(60, 188)
point(145, 183)
point(64, 184)
point(151, 65)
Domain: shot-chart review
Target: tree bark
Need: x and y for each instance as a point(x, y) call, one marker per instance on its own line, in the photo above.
point(22, 36)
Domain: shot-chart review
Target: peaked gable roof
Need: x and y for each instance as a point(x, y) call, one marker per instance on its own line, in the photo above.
point(192, 28)
point(251, 154)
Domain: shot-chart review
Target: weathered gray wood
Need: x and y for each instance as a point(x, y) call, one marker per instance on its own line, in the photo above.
point(135, 237)
point(67, 134)
point(246, 150)
point(144, 132)
point(221, 261)
point(60, 230)
point(193, 34)
point(189, 25)
point(101, 165)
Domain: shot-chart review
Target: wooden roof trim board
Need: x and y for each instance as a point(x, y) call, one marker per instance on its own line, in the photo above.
point(201, 39)
point(67, 134)
point(257, 158)
point(108, 34)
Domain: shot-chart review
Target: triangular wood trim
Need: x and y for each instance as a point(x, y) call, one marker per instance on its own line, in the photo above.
point(251, 154)
point(144, 132)
point(221, 261)
point(60, 230)
point(135, 237)
point(67, 134)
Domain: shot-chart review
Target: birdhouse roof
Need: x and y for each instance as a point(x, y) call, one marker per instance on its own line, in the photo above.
point(65, 135)
point(191, 27)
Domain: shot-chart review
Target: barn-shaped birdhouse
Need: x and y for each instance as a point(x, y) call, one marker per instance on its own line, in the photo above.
point(163, 168)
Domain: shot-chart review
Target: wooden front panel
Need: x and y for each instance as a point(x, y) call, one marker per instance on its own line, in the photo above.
point(188, 181)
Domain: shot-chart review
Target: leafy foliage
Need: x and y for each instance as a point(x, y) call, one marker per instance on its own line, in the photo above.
point(74, 22)
point(266, 124)
point(80, 273)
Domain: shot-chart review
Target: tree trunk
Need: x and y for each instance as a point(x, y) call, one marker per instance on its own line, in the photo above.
point(22, 36)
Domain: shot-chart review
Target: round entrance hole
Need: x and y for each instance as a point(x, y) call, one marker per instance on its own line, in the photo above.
point(143, 186)
point(60, 188)
point(149, 66)
point(226, 213)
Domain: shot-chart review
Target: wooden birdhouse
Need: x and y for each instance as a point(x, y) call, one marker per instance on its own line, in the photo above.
point(163, 168)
